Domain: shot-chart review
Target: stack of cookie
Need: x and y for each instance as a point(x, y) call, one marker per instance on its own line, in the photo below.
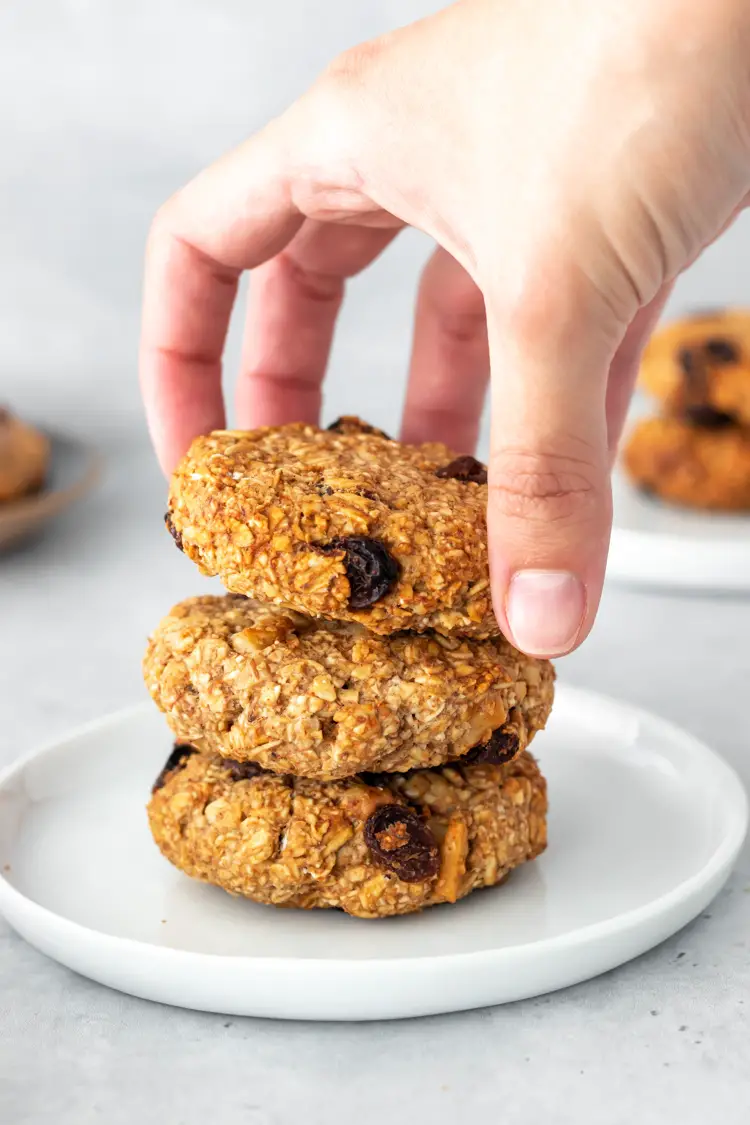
point(697, 451)
point(351, 726)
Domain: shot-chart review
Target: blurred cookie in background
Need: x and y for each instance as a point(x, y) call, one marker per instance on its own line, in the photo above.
point(41, 474)
point(698, 466)
point(701, 360)
point(24, 457)
point(695, 452)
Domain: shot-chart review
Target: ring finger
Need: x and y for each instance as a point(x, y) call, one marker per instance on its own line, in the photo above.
point(450, 363)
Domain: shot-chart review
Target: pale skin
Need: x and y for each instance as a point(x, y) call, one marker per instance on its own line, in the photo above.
point(569, 157)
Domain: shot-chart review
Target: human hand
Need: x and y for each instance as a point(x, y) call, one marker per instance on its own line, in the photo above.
point(570, 159)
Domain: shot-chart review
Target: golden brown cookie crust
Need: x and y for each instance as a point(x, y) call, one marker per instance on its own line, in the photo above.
point(267, 511)
point(24, 457)
point(329, 699)
point(296, 842)
point(701, 359)
point(690, 465)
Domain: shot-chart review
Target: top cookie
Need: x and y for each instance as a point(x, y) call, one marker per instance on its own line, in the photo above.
point(343, 523)
point(702, 363)
point(24, 456)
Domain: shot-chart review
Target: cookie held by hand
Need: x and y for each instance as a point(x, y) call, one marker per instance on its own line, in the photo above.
point(344, 524)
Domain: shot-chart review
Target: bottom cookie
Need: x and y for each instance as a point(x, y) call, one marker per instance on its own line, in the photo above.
point(697, 466)
point(373, 845)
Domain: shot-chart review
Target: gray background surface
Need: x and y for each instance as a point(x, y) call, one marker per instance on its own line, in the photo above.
point(105, 108)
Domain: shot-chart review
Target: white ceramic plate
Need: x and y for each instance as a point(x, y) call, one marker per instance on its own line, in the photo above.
point(74, 469)
point(657, 544)
point(645, 825)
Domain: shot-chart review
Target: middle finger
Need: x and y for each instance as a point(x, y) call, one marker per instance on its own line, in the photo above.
point(292, 309)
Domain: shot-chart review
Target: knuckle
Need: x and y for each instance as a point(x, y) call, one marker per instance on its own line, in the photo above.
point(544, 487)
point(165, 231)
point(303, 385)
point(313, 285)
point(160, 225)
point(349, 70)
point(332, 114)
point(344, 112)
point(342, 96)
point(462, 327)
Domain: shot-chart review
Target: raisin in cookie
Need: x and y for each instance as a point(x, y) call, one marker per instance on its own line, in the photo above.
point(372, 847)
point(700, 366)
point(693, 465)
point(341, 523)
point(329, 699)
point(24, 457)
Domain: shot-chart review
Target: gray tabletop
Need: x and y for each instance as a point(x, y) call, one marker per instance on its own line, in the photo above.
point(104, 109)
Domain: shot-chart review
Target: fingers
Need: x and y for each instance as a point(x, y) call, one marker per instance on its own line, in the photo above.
point(187, 301)
point(292, 309)
point(235, 215)
point(549, 513)
point(450, 358)
point(623, 371)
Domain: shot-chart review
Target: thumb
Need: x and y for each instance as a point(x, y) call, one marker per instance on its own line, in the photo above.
point(550, 502)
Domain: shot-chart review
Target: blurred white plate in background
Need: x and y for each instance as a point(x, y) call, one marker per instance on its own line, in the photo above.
point(645, 825)
point(656, 544)
point(662, 545)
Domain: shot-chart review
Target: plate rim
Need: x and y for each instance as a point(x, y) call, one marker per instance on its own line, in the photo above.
point(629, 540)
point(721, 859)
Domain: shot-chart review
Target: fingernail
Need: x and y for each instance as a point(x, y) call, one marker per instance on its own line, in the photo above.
point(545, 610)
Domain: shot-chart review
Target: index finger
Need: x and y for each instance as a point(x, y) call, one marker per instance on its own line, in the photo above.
point(233, 216)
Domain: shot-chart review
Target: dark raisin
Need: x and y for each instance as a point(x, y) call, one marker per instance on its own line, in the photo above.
point(370, 568)
point(706, 418)
point(179, 755)
point(399, 840)
point(350, 424)
point(173, 530)
point(720, 350)
point(243, 771)
point(502, 746)
point(464, 468)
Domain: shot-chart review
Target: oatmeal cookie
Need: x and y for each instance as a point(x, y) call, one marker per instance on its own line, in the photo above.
point(24, 456)
point(701, 363)
point(328, 699)
point(341, 523)
point(691, 465)
point(373, 847)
